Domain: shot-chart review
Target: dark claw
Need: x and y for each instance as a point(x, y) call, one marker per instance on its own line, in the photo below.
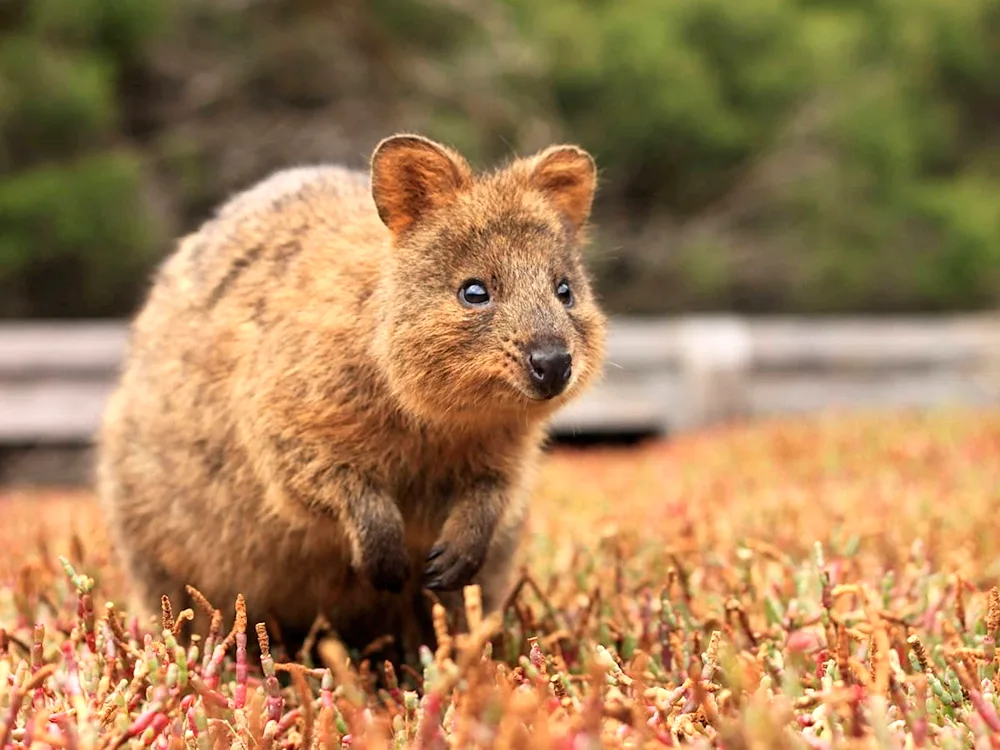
point(437, 561)
point(432, 571)
point(448, 571)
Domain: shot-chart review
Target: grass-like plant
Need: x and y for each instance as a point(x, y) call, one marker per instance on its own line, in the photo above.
point(805, 584)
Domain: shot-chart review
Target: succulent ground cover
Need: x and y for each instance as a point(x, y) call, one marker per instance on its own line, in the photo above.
point(828, 582)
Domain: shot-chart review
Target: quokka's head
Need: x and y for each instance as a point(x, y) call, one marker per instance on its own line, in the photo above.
point(488, 309)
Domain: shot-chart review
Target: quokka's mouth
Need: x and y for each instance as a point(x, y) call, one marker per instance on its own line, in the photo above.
point(528, 395)
point(541, 398)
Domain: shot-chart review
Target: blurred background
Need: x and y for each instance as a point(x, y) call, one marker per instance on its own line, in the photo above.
point(760, 157)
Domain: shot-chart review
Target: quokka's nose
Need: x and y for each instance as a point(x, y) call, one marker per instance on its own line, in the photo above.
point(550, 366)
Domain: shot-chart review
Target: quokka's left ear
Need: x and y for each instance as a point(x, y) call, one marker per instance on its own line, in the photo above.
point(567, 176)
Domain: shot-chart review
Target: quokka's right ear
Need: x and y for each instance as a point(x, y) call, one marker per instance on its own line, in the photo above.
point(412, 175)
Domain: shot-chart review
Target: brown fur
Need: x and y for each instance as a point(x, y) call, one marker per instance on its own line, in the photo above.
point(307, 410)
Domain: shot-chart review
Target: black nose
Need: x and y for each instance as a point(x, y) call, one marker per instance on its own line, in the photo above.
point(550, 366)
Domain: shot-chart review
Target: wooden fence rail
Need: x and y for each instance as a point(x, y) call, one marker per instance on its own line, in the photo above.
point(661, 375)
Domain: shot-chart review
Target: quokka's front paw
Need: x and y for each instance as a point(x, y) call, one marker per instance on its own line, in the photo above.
point(388, 572)
point(384, 560)
point(451, 565)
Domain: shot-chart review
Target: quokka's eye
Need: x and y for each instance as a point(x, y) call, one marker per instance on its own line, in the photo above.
point(473, 293)
point(564, 293)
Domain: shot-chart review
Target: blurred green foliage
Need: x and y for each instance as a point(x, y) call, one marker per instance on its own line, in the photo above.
point(761, 155)
point(75, 231)
point(812, 155)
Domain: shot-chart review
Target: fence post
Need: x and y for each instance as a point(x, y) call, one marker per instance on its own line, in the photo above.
point(716, 358)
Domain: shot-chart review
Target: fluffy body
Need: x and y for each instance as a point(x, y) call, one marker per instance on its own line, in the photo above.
point(310, 416)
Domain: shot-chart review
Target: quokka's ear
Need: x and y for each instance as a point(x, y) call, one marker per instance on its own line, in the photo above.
point(567, 176)
point(412, 175)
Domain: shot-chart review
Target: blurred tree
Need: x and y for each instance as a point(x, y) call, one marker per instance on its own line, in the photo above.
point(763, 155)
point(674, 96)
point(803, 155)
point(79, 227)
